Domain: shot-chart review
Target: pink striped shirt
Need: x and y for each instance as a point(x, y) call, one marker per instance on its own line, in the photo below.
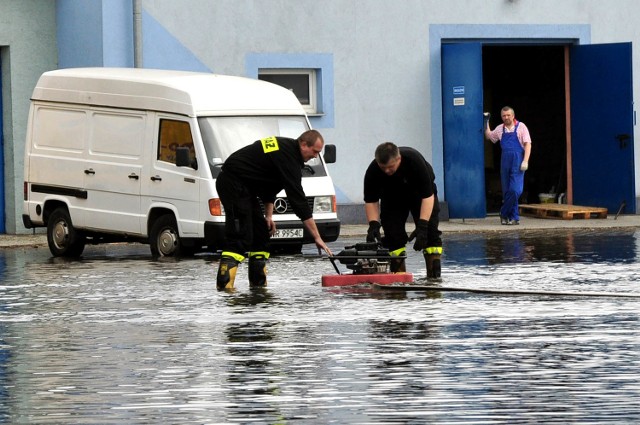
point(523, 133)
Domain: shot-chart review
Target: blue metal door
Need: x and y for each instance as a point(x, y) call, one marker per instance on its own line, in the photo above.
point(602, 126)
point(462, 130)
point(2, 213)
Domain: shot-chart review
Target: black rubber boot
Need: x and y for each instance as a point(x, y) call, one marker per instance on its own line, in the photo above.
point(226, 273)
point(257, 271)
point(397, 265)
point(433, 267)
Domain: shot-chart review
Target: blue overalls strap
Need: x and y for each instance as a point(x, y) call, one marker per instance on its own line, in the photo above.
point(509, 141)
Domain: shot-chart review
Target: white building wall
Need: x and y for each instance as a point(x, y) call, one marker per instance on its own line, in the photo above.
point(381, 55)
point(385, 77)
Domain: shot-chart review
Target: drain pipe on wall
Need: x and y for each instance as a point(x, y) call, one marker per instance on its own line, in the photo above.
point(137, 33)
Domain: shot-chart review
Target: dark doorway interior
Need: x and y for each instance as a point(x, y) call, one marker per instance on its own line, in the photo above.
point(530, 79)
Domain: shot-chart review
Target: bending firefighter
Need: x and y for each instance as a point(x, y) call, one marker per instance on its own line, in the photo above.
point(257, 173)
point(400, 181)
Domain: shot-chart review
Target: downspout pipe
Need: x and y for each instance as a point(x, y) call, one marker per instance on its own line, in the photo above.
point(137, 34)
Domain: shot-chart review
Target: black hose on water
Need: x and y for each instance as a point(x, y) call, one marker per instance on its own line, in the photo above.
point(504, 292)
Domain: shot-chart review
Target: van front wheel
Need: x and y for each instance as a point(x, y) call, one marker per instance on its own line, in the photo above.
point(164, 239)
point(63, 239)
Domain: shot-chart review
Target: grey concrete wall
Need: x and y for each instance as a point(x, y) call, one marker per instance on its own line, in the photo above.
point(28, 48)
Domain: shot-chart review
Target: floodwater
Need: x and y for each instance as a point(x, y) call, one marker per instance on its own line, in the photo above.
point(118, 337)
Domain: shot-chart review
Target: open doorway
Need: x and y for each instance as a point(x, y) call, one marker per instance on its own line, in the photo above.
point(530, 79)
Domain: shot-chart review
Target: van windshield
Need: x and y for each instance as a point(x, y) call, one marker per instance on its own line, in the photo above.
point(224, 135)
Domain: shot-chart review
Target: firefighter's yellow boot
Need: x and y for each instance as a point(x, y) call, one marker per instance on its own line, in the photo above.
point(227, 270)
point(258, 269)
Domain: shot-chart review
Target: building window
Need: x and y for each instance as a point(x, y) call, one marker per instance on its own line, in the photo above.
point(302, 82)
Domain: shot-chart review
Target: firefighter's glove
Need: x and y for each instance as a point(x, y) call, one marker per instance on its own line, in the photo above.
point(421, 235)
point(373, 234)
point(524, 166)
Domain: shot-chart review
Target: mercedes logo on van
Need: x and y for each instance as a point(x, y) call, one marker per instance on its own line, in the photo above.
point(280, 205)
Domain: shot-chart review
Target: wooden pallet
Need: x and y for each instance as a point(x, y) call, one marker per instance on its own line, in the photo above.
point(561, 211)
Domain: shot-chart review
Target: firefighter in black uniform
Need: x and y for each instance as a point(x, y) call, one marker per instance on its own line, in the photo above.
point(400, 181)
point(258, 172)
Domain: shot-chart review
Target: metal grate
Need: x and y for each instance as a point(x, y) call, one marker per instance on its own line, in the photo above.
point(288, 210)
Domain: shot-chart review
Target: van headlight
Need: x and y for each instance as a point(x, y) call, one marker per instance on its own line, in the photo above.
point(323, 204)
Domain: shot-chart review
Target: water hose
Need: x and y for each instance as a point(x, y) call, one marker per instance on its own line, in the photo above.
point(408, 288)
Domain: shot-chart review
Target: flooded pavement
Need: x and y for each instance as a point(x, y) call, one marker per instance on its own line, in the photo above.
point(118, 337)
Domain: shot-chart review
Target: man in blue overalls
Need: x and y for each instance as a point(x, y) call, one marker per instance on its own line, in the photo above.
point(515, 142)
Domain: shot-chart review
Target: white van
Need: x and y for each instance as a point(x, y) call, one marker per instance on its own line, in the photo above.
point(116, 154)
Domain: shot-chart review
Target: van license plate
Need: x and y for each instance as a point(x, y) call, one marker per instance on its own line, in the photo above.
point(288, 233)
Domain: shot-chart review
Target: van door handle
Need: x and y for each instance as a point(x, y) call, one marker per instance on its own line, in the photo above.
point(156, 178)
point(133, 176)
point(89, 171)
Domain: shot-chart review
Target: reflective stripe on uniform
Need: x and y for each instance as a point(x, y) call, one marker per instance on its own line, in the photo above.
point(263, 254)
point(239, 258)
point(433, 250)
point(399, 252)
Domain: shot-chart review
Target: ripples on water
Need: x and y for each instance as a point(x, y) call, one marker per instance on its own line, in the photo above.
point(120, 338)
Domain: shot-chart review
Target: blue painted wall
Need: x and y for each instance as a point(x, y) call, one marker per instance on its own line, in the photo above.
point(117, 33)
point(163, 51)
point(100, 33)
point(94, 33)
point(79, 33)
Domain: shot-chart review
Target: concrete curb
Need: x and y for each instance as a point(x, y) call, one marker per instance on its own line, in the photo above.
point(492, 224)
point(489, 224)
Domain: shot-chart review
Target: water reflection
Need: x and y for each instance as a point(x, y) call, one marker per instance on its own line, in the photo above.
point(5, 353)
point(251, 298)
point(4, 376)
point(582, 245)
point(249, 375)
point(117, 337)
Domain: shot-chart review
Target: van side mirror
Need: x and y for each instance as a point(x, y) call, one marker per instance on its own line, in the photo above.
point(329, 154)
point(183, 158)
